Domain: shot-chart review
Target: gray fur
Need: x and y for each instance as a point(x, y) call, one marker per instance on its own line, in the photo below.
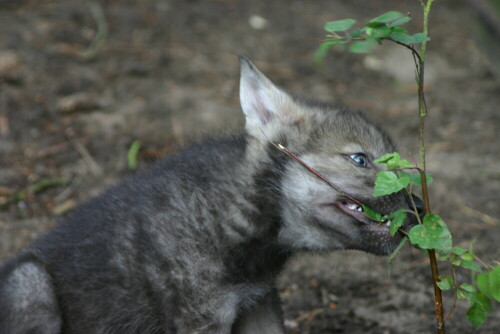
point(195, 244)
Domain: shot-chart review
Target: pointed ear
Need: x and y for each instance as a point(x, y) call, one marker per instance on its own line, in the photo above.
point(265, 106)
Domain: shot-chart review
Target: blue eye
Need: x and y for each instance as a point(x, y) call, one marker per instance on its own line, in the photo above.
point(359, 159)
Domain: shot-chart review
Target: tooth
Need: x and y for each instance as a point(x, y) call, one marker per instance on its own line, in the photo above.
point(360, 209)
point(352, 206)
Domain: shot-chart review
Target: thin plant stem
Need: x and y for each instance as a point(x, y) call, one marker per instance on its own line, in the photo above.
point(422, 112)
point(455, 298)
point(411, 48)
point(414, 207)
point(317, 174)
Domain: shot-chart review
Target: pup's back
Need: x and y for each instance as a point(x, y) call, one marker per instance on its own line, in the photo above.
point(113, 261)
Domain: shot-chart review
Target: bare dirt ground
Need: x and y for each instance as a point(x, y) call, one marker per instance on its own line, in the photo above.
point(167, 73)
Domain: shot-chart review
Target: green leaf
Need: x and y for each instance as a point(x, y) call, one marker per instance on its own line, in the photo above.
point(483, 300)
point(471, 265)
point(355, 34)
point(468, 256)
point(480, 307)
point(375, 25)
point(401, 37)
point(464, 295)
point(393, 161)
point(456, 261)
point(476, 315)
point(419, 38)
point(459, 251)
point(362, 46)
point(400, 21)
point(377, 30)
point(132, 154)
point(416, 179)
point(367, 211)
point(442, 256)
point(489, 283)
point(432, 234)
point(468, 287)
point(388, 17)
point(388, 182)
point(397, 220)
point(48, 183)
point(399, 30)
point(322, 50)
point(340, 25)
point(445, 282)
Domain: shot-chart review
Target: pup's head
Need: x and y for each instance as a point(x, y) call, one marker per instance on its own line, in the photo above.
point(342, 146)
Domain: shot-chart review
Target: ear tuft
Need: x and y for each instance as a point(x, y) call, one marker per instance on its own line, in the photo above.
point(245, 63)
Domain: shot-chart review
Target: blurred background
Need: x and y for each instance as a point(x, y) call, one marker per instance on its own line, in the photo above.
point(80, 82)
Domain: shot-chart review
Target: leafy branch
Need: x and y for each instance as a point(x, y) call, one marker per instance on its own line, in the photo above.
point(362, 40)
point(431, 234)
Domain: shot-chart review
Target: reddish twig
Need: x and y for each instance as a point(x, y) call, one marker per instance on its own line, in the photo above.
point(317, 174)
point(438, 298)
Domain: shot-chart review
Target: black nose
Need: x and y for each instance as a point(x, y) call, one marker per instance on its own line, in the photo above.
point(419, 205)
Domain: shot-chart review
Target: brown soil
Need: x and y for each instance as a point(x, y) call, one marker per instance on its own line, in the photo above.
point(167, 73)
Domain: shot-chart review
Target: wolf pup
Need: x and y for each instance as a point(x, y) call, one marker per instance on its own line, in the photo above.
point(194, 245)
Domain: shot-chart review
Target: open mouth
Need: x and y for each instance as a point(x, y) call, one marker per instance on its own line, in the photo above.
point(356, 211)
